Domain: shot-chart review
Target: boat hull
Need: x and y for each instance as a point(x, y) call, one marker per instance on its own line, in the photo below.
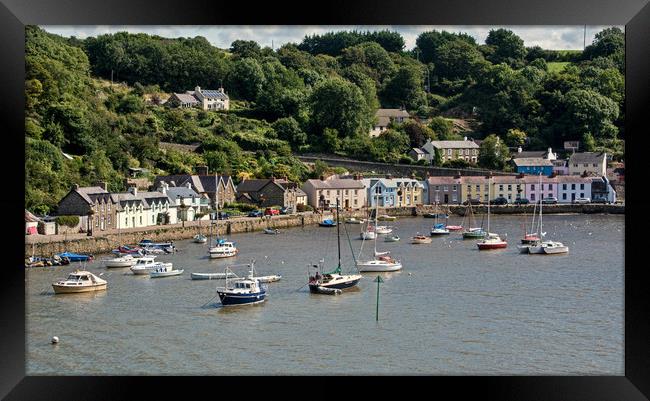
point(232, 298)
point(454, 228)
point(473, 235)
point(421, 241)
point(155, 274)
point(209, 276)
point(119, 263)
point(439, 232)
point(222, 255)
point(67, 289)
point(378, 267)
point(556, 250)
point(338, 284)
point(495, 245)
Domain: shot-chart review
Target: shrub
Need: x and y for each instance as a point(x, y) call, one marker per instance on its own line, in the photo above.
point(304, 208)
point(68, 221)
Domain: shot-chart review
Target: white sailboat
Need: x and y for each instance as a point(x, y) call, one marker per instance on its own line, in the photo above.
point(382, 261)
point(545, 247)
point(222, 248)
point(492, 240)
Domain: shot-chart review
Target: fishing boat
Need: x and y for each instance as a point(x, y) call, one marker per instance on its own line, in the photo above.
point(241, 291)
point(381, 261)
point(121, 261)
point(472, 232)
point(75, 257)
point(385, 217)
point(200, 239)
point(210, 276)
point(333, 279)
point(79, 281)
point(354, 220)
point(272, 231)
point(146, 264)
point(491, 241)
point(327, 223)
point(391, 238)
point(420, 239)
point(165, 271)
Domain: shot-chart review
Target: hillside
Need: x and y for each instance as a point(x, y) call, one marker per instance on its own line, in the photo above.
point(99, 100)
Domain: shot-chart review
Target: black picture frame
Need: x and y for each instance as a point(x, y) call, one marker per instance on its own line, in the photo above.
point(634, 14)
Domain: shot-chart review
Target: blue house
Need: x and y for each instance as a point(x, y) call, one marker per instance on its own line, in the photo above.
point(533, 166)
point(391, 192)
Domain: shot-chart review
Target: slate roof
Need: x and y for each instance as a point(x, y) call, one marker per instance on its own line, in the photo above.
point(87, 192)
point(540, 154)
point(214, 94)
point(186, 98)
point(454, 144)
point(532, 161)
point(337, 183)
point(587, 157)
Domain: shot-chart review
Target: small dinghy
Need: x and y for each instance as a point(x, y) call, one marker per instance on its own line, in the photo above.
point(454, 228)
point(268, 279)
point(392, 238)
point(211, 276)
point(354, 220)
point(75, 257)
point(165, 271)
point(271, 231)
point(420, 239)
point(386, 217)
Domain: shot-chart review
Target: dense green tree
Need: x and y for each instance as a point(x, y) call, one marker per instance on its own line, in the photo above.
point(289, 130)
point(515, 137)
point(428, 44)
point(404, 89)
point(493, 153)
point(417, 133)
point(340, 105)
point(609, 43)
point(246, 79)
point(508, 47)
point(245, 49)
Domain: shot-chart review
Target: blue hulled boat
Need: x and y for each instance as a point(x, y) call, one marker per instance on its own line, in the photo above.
point(75, 257)
point(241, 291)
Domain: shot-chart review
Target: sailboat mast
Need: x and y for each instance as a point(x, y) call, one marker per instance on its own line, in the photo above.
point(489, 185)
point(216, 203)
point(540, 206)
point(376, 213)
point(338, 231)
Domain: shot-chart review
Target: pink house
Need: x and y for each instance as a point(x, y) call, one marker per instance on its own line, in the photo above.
point(535, 192)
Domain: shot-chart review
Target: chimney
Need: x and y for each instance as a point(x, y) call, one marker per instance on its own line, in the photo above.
point(202, 170)
point(413, 176)
point(519, 149)
point(197, 89)
point(465, 139)
point(163, 187)
point(388, 176)
point(272, 179)
point(133, 190)
point(74, 187)
point(103, 185)
point(188, 185)
point(520, 175)
point(457, 176)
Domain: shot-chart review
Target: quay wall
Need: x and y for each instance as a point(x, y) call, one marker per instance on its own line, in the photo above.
point(105, 241)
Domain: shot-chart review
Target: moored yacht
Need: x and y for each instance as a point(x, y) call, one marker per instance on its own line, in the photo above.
point(79, 281)
point(147, 264)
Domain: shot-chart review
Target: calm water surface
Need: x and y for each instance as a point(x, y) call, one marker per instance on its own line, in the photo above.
point(451, 310)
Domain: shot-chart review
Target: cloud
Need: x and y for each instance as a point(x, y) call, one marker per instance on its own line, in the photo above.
point(548, 37)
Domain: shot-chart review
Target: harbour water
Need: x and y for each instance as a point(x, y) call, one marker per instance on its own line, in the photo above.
point(451, 310)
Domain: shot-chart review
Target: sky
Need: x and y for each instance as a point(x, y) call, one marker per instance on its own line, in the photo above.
point(551, 37)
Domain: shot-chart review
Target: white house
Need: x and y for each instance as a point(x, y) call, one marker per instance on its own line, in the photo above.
point(391, 192)
point(207, 99)
point(383, 117)
point(590, 162)
point(186, 201)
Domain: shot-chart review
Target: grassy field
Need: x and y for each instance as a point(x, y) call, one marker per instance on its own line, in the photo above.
point(557, 66)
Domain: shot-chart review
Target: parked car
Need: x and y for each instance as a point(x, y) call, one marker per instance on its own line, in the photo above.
point(600, 200)
point(224, 216)
point(255, 213)
point(551, 200)
point(473, 201)
point(271, 212)
point(521, 201)
point(286, 210)
point(499, 201)
point(582, 200)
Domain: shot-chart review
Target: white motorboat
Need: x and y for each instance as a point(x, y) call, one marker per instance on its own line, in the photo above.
point(223, 249)
point(200, 239)
point(385, 217)
point(354, 220)
point(368, 235)
point(554, 247)
point(120, 261)
point(79, 281)
point(211, 276)
point(147, 264)
point(165, 271)
point(383, 230)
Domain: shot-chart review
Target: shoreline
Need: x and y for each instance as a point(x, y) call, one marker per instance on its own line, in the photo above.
point(106, 241)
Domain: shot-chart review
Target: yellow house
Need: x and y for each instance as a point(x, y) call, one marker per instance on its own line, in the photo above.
point(475, 187)
point(509, 187)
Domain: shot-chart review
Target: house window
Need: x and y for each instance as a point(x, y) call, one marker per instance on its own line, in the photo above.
point(346, 191)
point(500, 187)
point(109, 207)
point(140, 219)
point(327, 192)
point(595, 165)
point(445, 188)
point(126, 222)
point(532, 197)
point(453, 188)
point(487, 187)
point(582, 195)
point(575, 165)
point(355, 202)
point(532, 187)
point(474, 152)
point(509, 187)
point(469, 188)
point(573, 187)
point(582, 186)
point(550, 186)
point(478, 187)
point(356, 191)
point(586, 164)
point(564, 186)
point(152, 219)
point(564, 196)
point(415, 198)
point(454, 198)
point(109, 220)
point(437, 187)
